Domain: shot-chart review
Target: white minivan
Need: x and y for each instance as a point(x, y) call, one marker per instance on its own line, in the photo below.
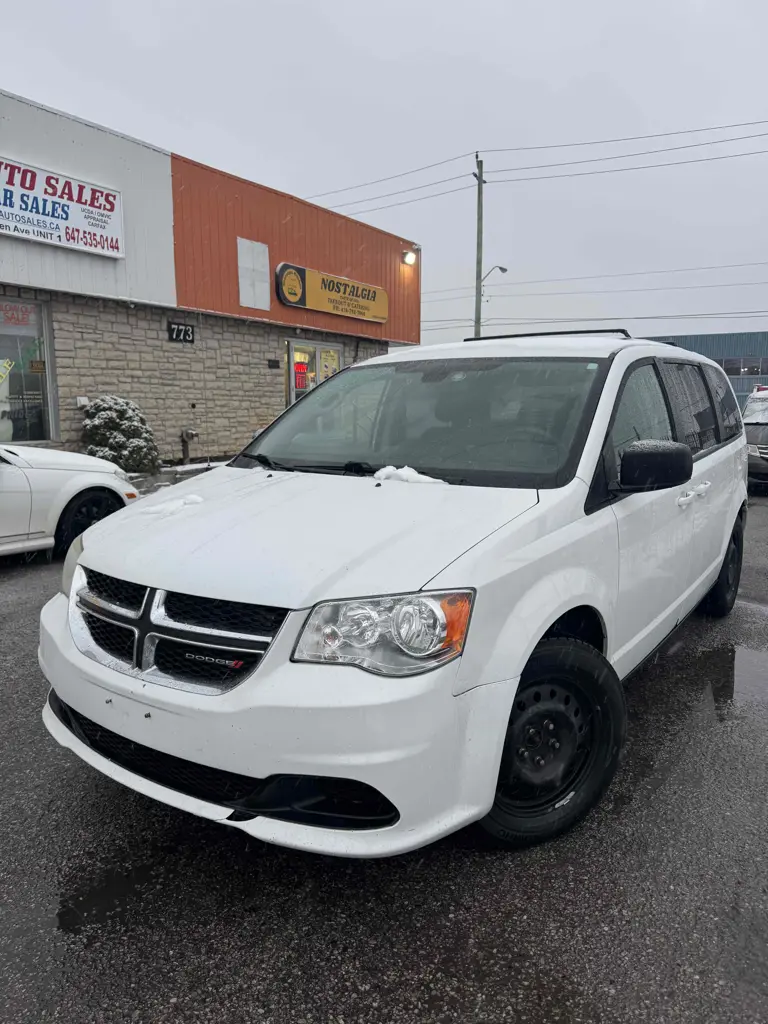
point(410, 603)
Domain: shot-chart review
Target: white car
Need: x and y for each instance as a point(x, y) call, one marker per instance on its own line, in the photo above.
point(410, 603)
point(48, 497)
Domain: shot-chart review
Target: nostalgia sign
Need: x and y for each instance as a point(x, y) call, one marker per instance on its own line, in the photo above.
point(43, 206)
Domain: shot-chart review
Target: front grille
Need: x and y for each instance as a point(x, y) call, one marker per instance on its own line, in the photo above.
point(120, 593)
point(209, 664)
point(198, 644)
point(229, 616)
point(119, 641)
point(762, 451)
point(305, 799)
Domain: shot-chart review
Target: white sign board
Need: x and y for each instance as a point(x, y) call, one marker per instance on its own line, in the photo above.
point(44, 206)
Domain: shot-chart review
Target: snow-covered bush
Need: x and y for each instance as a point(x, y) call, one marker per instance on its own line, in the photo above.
point(115, 429)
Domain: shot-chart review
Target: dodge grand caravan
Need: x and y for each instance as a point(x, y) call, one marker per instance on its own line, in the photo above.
point(410, 603)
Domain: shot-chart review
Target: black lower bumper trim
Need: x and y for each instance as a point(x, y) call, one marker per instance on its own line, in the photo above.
point(304, 799)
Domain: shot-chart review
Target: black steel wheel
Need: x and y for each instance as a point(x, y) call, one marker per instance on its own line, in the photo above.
point(564, 740)
point(83, 511)
point(722, 597)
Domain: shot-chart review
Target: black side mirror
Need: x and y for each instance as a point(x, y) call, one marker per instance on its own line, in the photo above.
point(655, 465)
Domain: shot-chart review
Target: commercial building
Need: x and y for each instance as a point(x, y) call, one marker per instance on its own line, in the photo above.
point(209, 300)
point(743, 356)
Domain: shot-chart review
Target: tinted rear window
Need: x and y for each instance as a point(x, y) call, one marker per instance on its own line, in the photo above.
point(691, 405)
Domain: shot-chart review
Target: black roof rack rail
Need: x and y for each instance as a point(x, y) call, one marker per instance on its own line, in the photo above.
point(547, 334)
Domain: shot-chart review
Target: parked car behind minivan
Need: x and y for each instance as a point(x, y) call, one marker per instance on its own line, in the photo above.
point(410, 603)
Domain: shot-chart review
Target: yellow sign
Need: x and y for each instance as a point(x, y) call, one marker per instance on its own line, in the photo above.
point(5, 368)
point(312, 289)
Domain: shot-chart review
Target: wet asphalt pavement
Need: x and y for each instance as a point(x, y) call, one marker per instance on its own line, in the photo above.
point(114, 908)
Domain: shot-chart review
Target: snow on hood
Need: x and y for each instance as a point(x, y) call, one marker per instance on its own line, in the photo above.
point(54, 458)
point(292, 539)
point(406, 475)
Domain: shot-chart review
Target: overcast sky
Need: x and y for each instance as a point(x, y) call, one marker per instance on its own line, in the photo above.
point(308, 96)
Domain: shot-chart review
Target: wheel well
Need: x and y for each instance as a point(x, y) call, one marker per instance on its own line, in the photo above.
point(79, 496)
point(582, 623)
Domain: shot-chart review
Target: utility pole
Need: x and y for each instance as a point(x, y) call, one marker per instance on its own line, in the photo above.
point(479, 259)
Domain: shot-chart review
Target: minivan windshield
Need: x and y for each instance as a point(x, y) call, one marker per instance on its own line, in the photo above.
point(499, 422)
point(756, 410)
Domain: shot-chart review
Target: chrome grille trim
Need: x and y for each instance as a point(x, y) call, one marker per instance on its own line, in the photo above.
point(160, 617)
point(107, 606)
point(82, 602)
point(88, 646)
point(762, 450)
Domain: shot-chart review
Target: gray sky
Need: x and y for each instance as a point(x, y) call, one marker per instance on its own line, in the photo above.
point(308, 96)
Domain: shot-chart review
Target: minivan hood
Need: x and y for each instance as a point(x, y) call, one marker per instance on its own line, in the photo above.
point(292, 539)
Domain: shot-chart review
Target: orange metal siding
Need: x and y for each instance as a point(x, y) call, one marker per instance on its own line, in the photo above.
point(212, 209)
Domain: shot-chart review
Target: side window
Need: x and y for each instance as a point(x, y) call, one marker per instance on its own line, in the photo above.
point(725, 400)
point(641, 414)
point(691, 403)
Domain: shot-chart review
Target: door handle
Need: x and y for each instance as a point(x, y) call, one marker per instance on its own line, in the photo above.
point(686, 499)
point(702, 488)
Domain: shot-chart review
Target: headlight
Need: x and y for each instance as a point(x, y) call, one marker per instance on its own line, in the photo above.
point(121, 473)
point(75, 550)
point(391, 636)
point(752, 449)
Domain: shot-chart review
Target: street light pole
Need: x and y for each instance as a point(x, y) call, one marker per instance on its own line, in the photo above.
point(479, 257)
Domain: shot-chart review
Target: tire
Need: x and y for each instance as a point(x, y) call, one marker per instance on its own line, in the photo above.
point(722, 597)
point(568, 695)
point(83, 511)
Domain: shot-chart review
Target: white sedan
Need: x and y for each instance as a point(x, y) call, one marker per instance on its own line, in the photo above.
point(49, 497)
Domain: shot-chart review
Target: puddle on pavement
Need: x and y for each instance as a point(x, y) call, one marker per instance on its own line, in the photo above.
point(675, 701)
point(105, 901)
point(745, 679)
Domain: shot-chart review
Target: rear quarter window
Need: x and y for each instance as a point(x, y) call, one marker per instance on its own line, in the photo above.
point(725, 400)
point(691, 405)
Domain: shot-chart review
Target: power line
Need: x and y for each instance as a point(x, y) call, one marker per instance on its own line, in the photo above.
point(528, 149)
point(596, 277)
point(539, 167)
point(570, 174)
point(625, 156)
point(638, 167)
point(403, 174)
point(418, 199)
point(726, 315)
point(611, 291)
point(628, 138)
point(402, 191)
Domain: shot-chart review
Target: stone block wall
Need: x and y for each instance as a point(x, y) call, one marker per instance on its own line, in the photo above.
point(220, 386)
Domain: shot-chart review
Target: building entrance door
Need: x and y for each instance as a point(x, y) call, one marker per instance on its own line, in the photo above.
point(309, 365)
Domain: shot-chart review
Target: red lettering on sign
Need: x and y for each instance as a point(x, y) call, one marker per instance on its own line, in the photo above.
point(300, 376)
point(11, 170)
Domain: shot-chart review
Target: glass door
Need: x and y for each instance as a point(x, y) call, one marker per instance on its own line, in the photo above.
point(24, 399)
point(309, 365)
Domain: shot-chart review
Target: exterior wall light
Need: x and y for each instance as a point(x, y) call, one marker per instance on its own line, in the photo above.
point(409, 257)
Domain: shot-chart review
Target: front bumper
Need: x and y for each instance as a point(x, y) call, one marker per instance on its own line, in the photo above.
point(433, 755)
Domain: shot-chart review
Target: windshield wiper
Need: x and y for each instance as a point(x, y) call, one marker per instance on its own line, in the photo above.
point(266, 462)
point(359, 468)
